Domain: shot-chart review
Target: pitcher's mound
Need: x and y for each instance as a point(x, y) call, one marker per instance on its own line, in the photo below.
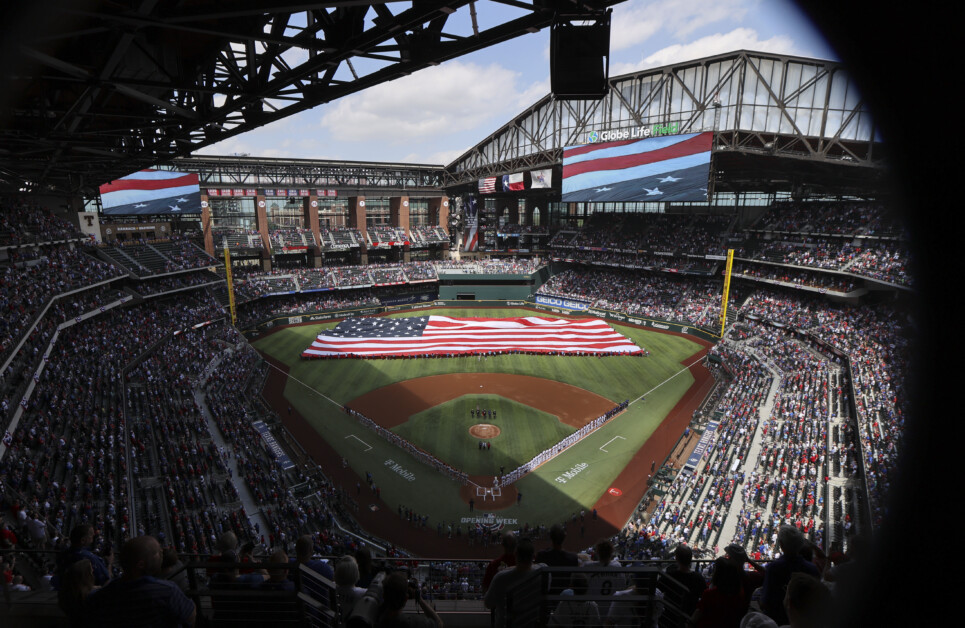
point(484, 430)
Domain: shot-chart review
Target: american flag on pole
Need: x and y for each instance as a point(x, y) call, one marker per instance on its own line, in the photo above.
point(487, 185)
point(444, 335)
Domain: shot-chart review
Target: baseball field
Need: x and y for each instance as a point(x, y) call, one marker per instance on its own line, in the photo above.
point(530, 403)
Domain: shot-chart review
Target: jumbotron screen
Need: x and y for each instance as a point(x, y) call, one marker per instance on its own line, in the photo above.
point(668, 168)
point(152, 192)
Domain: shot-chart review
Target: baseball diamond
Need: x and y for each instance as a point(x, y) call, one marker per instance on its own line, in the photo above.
point(433, 403)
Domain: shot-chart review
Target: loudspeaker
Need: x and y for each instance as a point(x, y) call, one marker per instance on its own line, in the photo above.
point(580, 59)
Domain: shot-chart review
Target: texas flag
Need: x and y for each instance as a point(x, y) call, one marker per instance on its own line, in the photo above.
point(512, 182)
point(152, 192)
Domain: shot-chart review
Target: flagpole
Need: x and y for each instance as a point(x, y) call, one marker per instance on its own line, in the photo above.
point(231, 287)
point(723, 301)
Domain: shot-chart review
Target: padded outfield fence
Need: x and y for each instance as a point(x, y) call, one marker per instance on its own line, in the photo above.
point(545, 306)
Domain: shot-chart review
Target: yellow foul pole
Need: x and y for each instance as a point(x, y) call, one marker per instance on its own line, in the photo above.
point(231, 285)
point(723, 300)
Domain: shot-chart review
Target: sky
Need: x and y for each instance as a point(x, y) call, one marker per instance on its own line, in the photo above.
point(435, 115)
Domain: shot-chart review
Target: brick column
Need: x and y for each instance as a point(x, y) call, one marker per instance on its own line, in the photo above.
point(261, 220)
point(206, 226)
point(399, 217)
point(310, 213)
point(356, 220)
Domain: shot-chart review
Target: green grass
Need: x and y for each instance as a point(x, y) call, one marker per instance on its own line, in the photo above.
point(316, 387)
point(444, 432)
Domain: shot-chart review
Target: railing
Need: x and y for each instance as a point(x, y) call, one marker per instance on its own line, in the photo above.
point(453, 587)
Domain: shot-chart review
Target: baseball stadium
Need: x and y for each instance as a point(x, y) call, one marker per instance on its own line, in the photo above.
point(648, 354)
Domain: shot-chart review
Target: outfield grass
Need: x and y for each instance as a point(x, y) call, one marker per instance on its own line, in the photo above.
point(444, 431)
point(318, 387)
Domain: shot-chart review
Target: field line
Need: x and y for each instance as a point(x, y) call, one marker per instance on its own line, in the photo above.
point(683, 370)
point(610, 441)
point(293, 378)
point(359, 440)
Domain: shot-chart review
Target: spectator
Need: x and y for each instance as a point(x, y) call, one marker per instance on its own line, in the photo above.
point(173, 569)
point(807, 603)
point(138, 598)
point(76, 585)
point(347, 594)
point(8, 539)
point(278, 576)
point(608, 579)
point(81, 538)
point(576, 612)
point(722, 605)
point(557, 557)
point(367, 570)
point(504, 561)
point(694, 582)
point(778, 572)
point(515, 591)
point(37, 531)
point(396, 591)
point(304, 548)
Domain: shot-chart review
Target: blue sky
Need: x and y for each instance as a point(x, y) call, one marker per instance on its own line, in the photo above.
point(435, 115)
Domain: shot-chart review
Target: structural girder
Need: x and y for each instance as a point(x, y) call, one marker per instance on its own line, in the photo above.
point(774, 106)
point(139, 82)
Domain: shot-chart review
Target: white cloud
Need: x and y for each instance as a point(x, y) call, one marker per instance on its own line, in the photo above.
point(438, 157)
point(718, 43)
point(636, 22)
point(451, 97)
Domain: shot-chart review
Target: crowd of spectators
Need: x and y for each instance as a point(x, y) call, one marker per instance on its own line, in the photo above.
point(34, 275)
point(22, 222)
point(884, 260)
point(510, 230)
point(257, 311)
point(525, 266)
point(183, 254)
point(340, 237)
point(832, 218)
point(291, 238)
point(825, 282)
point(693, 509)
point(876, 341)
point(654, 295)
point(65, 458)
point(427, 234)
point(679, 233)
point(176, 282)
point(861, 239)
point(385, 235)
point(236, 238)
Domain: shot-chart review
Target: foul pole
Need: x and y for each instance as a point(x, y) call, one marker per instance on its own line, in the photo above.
point(231, 285)
point(723, 300)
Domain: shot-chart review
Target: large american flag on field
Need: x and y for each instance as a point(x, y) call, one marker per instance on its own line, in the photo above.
point(443, 335)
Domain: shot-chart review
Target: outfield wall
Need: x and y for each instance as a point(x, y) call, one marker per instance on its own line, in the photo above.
point(619, 317)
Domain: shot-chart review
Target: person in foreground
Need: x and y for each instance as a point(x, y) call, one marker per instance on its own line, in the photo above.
point(396, 591)
point(520, 583)
point(137, 598)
